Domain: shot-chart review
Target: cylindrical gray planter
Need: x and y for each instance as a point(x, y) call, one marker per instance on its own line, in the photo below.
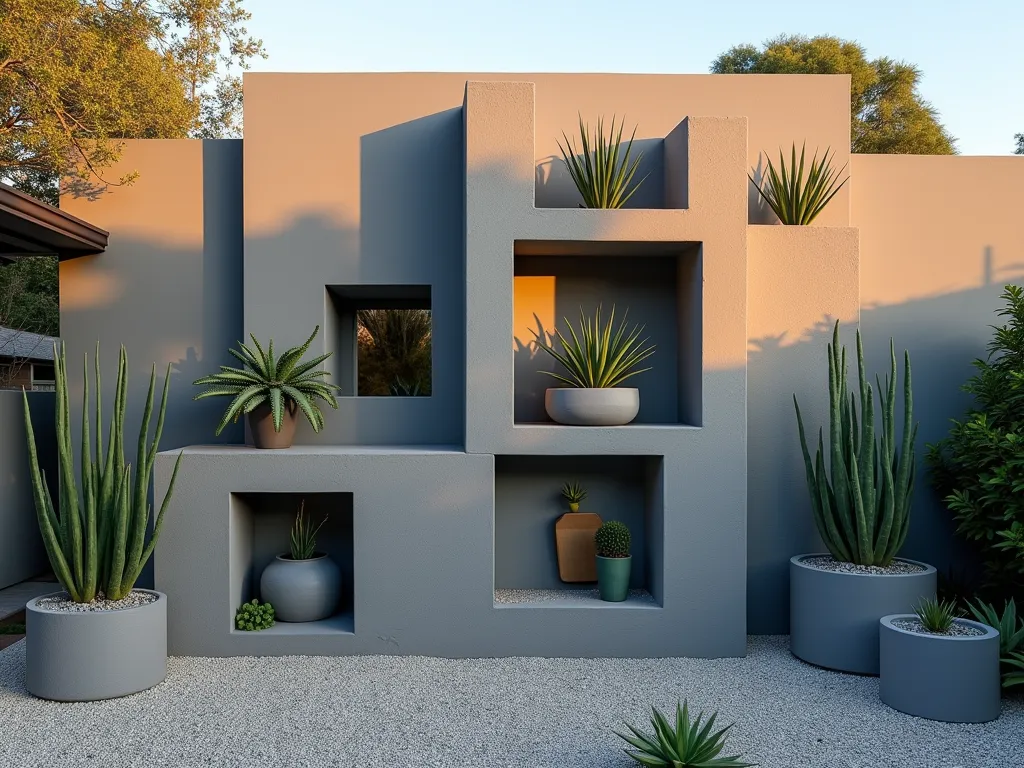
point(833, 616)
point(93, 655)
point(301, 590)
point(953, 678)
point(609, 407)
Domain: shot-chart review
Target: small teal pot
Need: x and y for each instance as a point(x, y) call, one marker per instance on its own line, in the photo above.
point(613, 577)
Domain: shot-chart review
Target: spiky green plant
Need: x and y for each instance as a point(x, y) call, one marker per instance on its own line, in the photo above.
point(277, 381)
point(574, 493)
point(603, 178)
point(690, 744)
point(861, 502)
point(95, 536)
point(303, 540)
point(598, 355)
point(937, 616)
point(612, 539)
point(254, 616)
point(1011, 637)
point(794, 197)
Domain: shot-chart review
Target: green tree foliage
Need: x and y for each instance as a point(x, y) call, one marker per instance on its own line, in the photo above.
point(1019, 137)
point(30, 295)
point(394, 351)
point(889, 115)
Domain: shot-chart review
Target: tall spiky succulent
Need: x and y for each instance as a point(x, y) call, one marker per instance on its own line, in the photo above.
point(604, 179)
point(278, 381)
point(690, 744)
point(861, 502)
point(303, 540)
point(95, 537)
point(796, 197)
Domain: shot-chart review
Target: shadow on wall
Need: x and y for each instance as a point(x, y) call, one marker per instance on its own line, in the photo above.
point(554, 187)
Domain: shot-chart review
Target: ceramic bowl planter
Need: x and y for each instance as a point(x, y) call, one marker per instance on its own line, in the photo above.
point(592, 407)
point(88, 655)
point(952, 677)
point(834, 615)
point(301, 590)
point(261, 424)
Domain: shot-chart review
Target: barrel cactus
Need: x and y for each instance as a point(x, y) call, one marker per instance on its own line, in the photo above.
point(861, 502)
point(612, 539)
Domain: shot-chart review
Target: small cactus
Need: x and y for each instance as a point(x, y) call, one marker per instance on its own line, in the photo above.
point(252, 616)
point(612, 539)
point(574, 493)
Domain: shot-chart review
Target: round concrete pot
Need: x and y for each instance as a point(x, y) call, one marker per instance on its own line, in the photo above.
point(301, 590)
point(613, 578)
point(609, 407)
point(833, 616)
point(953, 678)
point(261, 424)
point(93, 655)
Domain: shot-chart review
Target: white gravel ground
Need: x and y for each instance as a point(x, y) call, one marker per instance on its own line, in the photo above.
point(417, 712)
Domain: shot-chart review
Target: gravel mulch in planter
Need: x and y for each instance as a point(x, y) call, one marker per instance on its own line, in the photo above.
point(829, 563)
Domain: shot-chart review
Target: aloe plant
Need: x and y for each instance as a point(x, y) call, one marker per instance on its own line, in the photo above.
point(797, 198)
point(303, 540)
point(691, 743)
point(937, 616)
point(603, 177)
point(574, 493)
point(1011, 638)
point(95, 536)
point(861, 501)
point(600, 354)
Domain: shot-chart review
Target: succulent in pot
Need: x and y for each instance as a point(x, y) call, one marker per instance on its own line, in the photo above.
point(574, 493)
point(596, 359)
point(574, 538)
point(861, 507)
point(96, 542)
point(603, 177)
point(271, 390)
point(614, 562)
point(302, 584)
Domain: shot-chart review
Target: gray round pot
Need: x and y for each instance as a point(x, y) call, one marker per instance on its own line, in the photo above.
point(833, 616)
point(93, 655)
point(592, 407)
point(301, 590)
point(953, 678)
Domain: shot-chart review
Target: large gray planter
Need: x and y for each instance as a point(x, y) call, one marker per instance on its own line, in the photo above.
point(301, 590)
point(833, 616)
point(93, 655)
point(953, 678)
point(609, 407)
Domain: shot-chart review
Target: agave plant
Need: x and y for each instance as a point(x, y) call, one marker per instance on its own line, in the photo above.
point(690, 744)
point(603, 177)
point(95, 536)
point(276, 381)
point(937, 616)
point(794, 197)
point(1011, 638)
point(598, 355)
point(303, 543)
point(574, 493)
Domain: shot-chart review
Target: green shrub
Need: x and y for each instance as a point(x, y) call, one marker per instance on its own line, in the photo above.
point(1011, 638)
point(612, 539)
point(603, 179)
point(979, 468)
point(936, 616)
point(689, 744)
point(254, 616)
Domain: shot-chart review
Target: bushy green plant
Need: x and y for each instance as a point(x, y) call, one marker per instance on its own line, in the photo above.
point(600, 355)
point(283, 383)
point(612, 539)
point(689, 744)
point(604, 179)
point(936, 615)
point(797, 198)
point(303, 540)
point(979, 468)
point(574, 493)
point(1011, 637)
point(254, 616)
point(95, 536)
point(394, 350)
point(861, 502)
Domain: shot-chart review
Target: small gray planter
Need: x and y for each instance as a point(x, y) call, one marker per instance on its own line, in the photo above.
point(608, 407)
point(953, 678)
point(93, 655)
point(301, 590)
point(833, 616)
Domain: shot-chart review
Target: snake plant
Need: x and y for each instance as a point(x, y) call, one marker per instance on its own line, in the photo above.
point(794, 197)
point(603, 177)
point(303, 539)
point(277, 381)
point(690, 744)
point(95, 536)
point(861, 502)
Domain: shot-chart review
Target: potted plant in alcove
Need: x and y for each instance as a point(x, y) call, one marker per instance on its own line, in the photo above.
point(861, 508)
point(574, 538)
point(603, 177)
point(614, 563)
point(101, 637)
point(596, 359)
point(271, 390)
point(302, 584)
point(937, 665)
point(794, 197)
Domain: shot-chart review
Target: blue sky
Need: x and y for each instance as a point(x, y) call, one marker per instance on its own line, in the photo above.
point(971, 54)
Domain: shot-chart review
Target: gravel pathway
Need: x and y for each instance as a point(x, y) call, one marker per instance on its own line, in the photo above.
point(362, 712)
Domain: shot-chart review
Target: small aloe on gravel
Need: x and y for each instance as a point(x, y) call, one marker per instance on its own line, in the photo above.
point(254, 616)
point(303, 542)
point(277, 381)
point(612, 539)
point(937, 616)
point(604, 179)
point(690, 744)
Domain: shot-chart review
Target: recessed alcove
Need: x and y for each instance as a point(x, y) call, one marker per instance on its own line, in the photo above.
point(655, 284)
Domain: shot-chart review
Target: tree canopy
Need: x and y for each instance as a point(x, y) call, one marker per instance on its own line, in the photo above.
point(1019, 137)
point(29, 295)
point(889, 116)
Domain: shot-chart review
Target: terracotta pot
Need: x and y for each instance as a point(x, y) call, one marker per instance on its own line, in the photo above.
point(261, 423)
point(574, 543)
